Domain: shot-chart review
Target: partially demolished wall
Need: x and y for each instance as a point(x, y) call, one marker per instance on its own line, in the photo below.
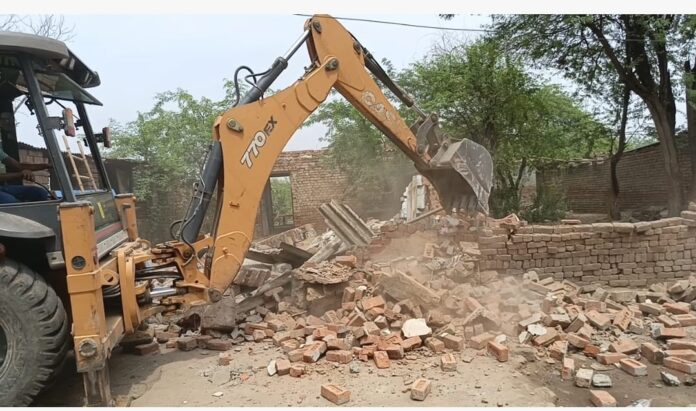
point(615, 254)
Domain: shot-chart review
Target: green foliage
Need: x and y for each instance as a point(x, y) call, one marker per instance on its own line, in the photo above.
point(170, 140)
point(548, 206)
point(281, 196)
point(483, 93)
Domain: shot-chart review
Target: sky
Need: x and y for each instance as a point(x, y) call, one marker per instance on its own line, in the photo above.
point(138, 56)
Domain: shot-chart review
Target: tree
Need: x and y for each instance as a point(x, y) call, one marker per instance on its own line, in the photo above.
point(169, 142)
point(690, 87)
point(483, 93)
point(42, 25)
point(638, 50)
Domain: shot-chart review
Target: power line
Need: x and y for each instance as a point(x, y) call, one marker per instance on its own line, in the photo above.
point(396, 23)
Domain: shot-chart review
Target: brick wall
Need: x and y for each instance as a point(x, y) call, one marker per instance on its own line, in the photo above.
point(616, 254)
point(37, 155)
point(641, 174)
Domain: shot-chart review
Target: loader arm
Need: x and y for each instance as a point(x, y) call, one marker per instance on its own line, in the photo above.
point(248, 139)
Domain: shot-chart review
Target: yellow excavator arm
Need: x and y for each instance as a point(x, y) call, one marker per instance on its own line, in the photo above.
point(248, 138)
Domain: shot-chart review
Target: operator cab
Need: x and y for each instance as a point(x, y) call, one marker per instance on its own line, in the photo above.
point(41, 78)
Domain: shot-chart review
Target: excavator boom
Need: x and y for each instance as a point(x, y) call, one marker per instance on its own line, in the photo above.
point(248, 138)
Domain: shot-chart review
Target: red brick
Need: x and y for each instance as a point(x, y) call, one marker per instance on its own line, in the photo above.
point(568, 369)
point(681, 343)
point(602, 399)
point(258, 335)
point(337, 344)
point(685, 366)
point(420, 389)
point(339, 356)
point(651, 308)
point(577, 341)
point(394, 351)
point(633, 367)
point(448, 362)
point(277, 325)
point(434, 344)
point(296, 370)
point(598, 320)
point(499, 351)
point(684, 354)
point(149, 348)
point(411, 343)
point(667, 333)
point(381, 359)
point(335, 394)
point(677, 308)
point(546, 339)
point(480, 341)
point(296, 355)
point(218, 344)
point(313, 352)
point(371, 328)
point(348, 295)
point(170, 344)
point(186, 344)
point(323, 333)
point(610, 357)
point(591, 350)
point(558, 350)
point(623, 318)
point(453, 342)
point(283, 366)
point(650, 352)
point(624, 346)
point(668, 321)
point(686, 320)
point(371, 302)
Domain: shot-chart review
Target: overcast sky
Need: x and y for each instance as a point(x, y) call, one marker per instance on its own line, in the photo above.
point(140, 56)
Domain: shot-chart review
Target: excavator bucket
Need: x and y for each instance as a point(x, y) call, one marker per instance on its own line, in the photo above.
point(462, 173)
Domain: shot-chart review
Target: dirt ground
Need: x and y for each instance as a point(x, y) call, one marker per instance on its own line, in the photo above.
point(176, 378)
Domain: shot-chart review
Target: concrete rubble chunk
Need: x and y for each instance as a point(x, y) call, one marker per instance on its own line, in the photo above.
point(415, 327)
point(669, 379)
point(583, 377)
point(601, 381)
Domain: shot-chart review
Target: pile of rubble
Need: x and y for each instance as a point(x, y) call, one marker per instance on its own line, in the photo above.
point(344, 308)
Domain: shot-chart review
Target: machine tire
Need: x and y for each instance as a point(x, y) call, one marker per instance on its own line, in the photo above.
point(35, 328)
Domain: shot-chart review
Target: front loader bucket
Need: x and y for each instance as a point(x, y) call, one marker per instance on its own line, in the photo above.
point(462, 173)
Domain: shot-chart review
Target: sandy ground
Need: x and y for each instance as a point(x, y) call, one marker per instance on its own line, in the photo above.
point(178, 379)
point(175, 378)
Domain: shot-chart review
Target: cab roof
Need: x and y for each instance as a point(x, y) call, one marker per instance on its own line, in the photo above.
point(53, 50)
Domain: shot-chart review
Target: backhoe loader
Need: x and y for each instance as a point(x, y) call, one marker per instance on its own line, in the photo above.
point(74, 272)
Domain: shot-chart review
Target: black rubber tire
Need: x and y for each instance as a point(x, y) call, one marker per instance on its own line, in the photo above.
point(35, 326)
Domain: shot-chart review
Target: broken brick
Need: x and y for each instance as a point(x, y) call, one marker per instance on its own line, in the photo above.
point(499, 351)
point(453, 342)
point(685, 320)
point(434, 345)
point(480, 341)
point(339, 356)
point(624, 346)
point(313, 352)
point(283, 366)
point(346, 260)
point(662, 332)
point(623, 318)
point(577, 341)
point(186, 344)
point(677, 308)
point(224, 358)
point(381, 359)
point(684, 354)
point(296, 355)
point(651, 308)
point(546, 339)
point(602, 398)
point(218, 344)
point(296, 370)
point(583, 378)
point(568, 369)
point(668, 321)
point(448, 362)
point(411, 343)
point(598, 320)
point(369, 303)
point(652, 353)
point(394, 351)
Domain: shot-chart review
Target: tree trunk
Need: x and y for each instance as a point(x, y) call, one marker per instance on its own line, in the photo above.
point(665, 133)
point(614, 208)
point(690, 74)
